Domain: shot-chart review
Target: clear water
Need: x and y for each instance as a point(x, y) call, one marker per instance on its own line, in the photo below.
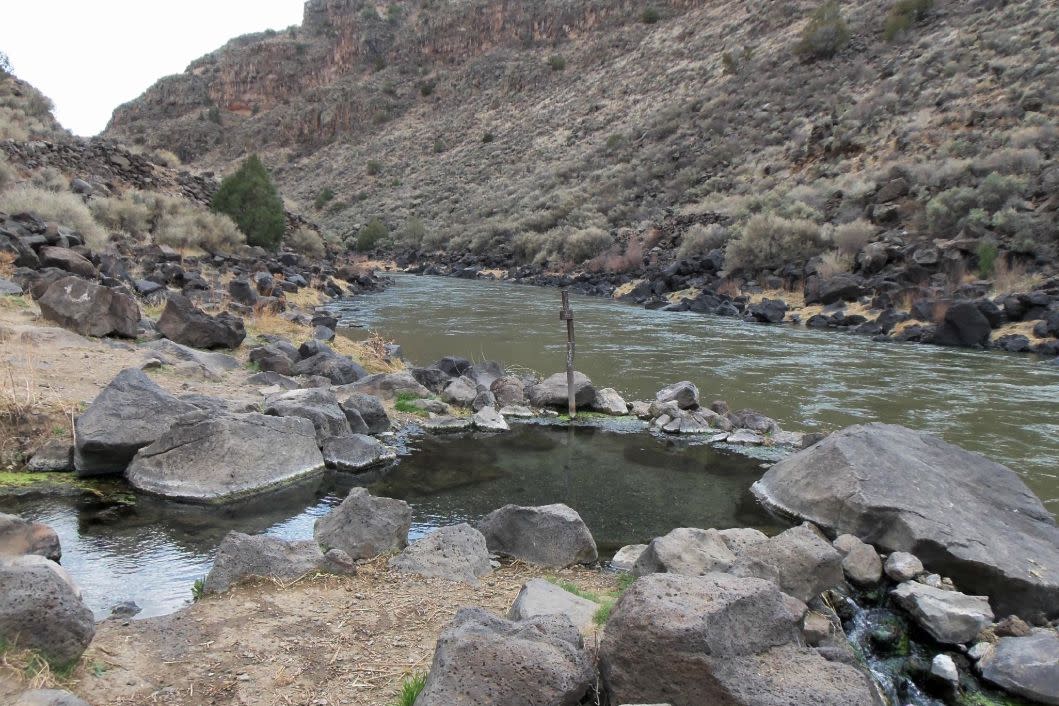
point(629, 486)
point(1005, 406)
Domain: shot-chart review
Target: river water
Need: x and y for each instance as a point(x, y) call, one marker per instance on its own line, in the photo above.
point(1005, 406)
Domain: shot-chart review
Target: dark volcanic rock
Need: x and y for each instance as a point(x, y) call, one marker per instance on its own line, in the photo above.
point(902, 490)
point(964, 325)
point(90, 309)
point(183, 322)
point(549, 535)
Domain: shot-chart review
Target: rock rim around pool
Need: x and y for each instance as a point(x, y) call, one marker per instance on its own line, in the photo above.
point(900, 490)
point(548, 535)
point(364, 525)
point(208, 459)
point(455, 553)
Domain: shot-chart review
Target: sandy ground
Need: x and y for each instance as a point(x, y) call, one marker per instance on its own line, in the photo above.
point(322, 641)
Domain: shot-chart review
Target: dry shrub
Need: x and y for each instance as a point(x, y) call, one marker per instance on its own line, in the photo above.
point(699, 240)
point(770, 241)
point(64, 208)
point(307, 242)
point(7, 172)
point(833, 263)
point(1011, 161)
point(616, 260)
point(850, 238)
point(122, 213)
point(1011, 277)
point(585, 244)
point(165, 158)
point(212, 232)
point(7, 263)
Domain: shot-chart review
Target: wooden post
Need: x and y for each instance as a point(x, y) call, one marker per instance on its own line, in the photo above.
point(567, 315)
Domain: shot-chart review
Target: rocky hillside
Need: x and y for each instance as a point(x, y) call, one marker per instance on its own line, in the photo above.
point(550, 131)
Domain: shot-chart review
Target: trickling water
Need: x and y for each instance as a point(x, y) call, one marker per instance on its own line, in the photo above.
point(1005, 406)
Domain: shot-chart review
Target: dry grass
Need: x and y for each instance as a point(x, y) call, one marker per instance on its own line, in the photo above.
point(29, 410)
point(322, 639)
point(7, 264)
point(306, 297)
point(1019, 328)
point(64, 208)
point(627, 288)
point(1010, 277)
point(369, 353)
point(794, 298)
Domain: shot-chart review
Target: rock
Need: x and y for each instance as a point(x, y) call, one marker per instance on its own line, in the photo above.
point(964, 325)
point(482, 400)
point(951, 617)
point(339, 369)
point(685, 550)
point(19, 536)
point(754, 421)
point(356, 452)
point(769, 311)
point(456, 553)
point(90, 309)
point(53, 455)
point(625, 558)
point(204, 459)
point(1027, 666)
point(41, 609)
point(125, 609)
point(318, 405)
point(979, 650)
point(891, 191)
point(610, 402)
point(446, 424)
point(1012, 626)
point(483, 659)
point(67, 259)
point(860, 562)
point(540, 597)
point(272, 358)
point(9, 288)
point(389, 385)
point(364, 526)
point(944, 669)
point(549, 535)
point(460, 391)
point(816, 628)
point(902, 566)
point(685, 394)
point(242, 291)
point(718, 639)
point(215, 364)
point(241, 556)
point(739, 538)
point(837, 288)
point(799, 561)
point(48, 697)
point(902, 490)
point(452, 366)
point(517, 411)
point(488, 419)
point(552, 391)
point(130, 413)
point(183, 322)
point(508, 390)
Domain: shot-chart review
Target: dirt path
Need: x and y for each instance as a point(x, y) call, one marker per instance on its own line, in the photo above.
point(323, 641)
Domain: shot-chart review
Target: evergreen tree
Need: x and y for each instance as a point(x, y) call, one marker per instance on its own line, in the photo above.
point(249, 197)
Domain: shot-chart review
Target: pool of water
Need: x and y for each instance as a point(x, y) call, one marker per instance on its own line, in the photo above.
point(629, 486)
point(1005, 406)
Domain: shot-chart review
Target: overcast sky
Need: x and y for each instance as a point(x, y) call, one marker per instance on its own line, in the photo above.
point(90, 56)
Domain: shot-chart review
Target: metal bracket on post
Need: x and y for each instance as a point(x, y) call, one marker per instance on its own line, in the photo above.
point(567, 315)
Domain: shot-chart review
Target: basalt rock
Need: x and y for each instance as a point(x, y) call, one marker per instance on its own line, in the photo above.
point(549, 535)
point(19, 536)
point(242, 556)
point(552, 391)
point(457, 553)
point(364, 525)
point(90, 309)
point(183, 322)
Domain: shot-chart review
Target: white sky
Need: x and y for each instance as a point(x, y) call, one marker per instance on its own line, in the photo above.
point(90, 56)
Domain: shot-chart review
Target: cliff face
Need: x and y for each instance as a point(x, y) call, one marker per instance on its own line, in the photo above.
point(302, 86)
point(547, 130)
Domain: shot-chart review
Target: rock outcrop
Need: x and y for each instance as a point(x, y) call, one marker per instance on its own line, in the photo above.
point(965, 516)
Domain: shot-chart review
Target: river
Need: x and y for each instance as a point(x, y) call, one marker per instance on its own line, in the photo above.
point(1002, 405)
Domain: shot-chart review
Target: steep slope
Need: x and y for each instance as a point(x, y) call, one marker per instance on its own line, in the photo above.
point(537, 130)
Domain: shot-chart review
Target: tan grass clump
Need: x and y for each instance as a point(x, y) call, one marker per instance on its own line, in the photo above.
point(1010, 277)
point(62, 207)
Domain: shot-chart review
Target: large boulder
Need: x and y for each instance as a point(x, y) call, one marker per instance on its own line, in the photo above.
point(357, 452)
point(483, 659)
point(799, 561)
point(41, 609)
point(370, 410)
point(963, 515)
point(964, 325)
point(19, 536)
point(364, 526)
point(209, 459)
point(685, 393)
point(548, 535)
point(951, 617)
point(67, 259)
point(183, 322)
point(242, 556)
point(686, 550)
point(508, 390)
point(540, 597)
point(213, 365)
point(1027, 666)
point(460, 391)
point(318, 405)
point(90, 309)
point(457, 553)
point(552, 391)
point(718, 639)
point(130, 413)
point(387, 386)
point(337, 368)
point(609, 401)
